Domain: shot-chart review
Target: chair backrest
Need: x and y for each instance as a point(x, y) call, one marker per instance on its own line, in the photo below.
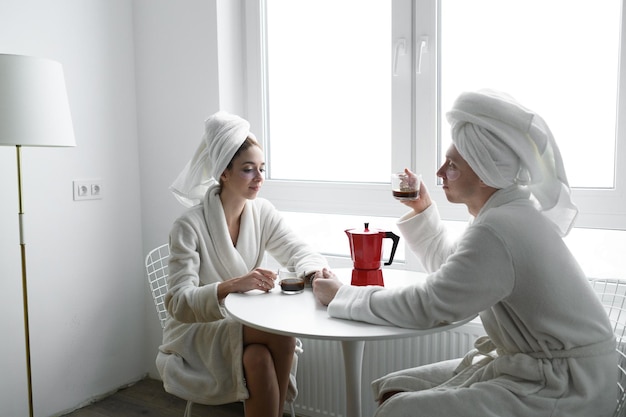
point(157, 269)
point(612, 293)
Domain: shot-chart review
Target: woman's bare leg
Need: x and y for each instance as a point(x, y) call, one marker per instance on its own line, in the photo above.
point(261, 382)
point(267, 360)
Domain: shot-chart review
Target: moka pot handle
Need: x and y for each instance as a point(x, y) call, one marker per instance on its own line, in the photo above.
point(396, 239)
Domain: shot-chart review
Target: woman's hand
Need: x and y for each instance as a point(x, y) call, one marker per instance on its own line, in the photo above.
point(325, 286)
point(257, 279)
point(423, 201)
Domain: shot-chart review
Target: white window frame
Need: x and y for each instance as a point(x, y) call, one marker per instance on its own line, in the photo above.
point(413, 126)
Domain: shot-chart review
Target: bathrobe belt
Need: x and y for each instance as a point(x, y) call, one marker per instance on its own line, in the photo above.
point(464, 373)
point(594, 349)
point(484, 346)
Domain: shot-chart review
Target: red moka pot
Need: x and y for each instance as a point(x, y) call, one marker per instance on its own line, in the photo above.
point(366, 249)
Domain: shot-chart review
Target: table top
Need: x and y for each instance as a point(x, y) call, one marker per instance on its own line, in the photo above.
point(302, 315)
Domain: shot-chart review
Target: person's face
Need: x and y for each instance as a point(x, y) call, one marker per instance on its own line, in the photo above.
point(247, 173)
point(460, 182)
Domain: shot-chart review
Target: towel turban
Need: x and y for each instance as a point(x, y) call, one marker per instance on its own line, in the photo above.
point(506, 144)
point(224, 133)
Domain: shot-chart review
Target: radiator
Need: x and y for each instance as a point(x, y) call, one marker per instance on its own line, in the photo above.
point(321, 381)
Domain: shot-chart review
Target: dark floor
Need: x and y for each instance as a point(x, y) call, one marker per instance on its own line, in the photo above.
point(147, 398)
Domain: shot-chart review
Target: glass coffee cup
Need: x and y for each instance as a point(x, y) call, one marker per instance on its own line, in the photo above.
point(289, 281)
point(405, 187)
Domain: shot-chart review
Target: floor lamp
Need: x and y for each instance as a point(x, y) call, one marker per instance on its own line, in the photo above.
point(34, 111)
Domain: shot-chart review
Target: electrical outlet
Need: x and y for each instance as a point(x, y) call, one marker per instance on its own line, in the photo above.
point(96, 190)
point(87, 189)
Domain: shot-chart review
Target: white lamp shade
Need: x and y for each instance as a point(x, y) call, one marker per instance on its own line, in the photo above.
point(34, 108)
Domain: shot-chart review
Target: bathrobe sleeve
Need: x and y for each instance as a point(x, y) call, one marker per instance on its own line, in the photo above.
point(427, 237)
point(187, 301)
point(477, 275)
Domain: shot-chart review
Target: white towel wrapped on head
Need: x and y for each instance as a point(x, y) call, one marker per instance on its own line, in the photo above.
point(506, 144)
point(223, 135)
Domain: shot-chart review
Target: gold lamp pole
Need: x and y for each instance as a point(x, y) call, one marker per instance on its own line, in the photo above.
point(29, 380)
point(34, 111)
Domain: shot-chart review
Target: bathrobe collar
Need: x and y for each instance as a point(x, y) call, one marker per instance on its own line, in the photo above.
point(507, 195)
point(235, 260)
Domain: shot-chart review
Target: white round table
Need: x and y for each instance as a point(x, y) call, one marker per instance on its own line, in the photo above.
point(301, 315)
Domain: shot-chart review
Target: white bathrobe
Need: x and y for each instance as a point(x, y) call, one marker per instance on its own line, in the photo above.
point(550, 349)
point(201, 355)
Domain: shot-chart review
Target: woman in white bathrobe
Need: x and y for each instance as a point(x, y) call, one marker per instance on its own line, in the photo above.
point(550, 349)
point(217, 247)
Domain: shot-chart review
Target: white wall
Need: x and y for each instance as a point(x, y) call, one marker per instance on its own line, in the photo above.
point(84, 259)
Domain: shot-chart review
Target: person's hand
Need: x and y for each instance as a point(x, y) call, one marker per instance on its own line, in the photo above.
point(325, 286)
point(423, 201)
point(257, 279)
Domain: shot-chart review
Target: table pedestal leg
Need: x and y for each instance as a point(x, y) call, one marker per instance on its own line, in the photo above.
point(353, 364)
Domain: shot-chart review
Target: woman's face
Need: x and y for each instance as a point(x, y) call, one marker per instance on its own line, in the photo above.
point(460, 182)
point(246, 175)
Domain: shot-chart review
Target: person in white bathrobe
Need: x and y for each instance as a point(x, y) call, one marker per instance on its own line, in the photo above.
point(217, 247)
point(549, 349)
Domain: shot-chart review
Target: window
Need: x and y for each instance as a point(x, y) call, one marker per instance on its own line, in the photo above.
point(346, 91)
point(335, 116)
point(322, 85)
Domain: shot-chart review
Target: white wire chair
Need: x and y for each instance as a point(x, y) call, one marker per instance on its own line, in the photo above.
point(612, 294)
point(158, 271)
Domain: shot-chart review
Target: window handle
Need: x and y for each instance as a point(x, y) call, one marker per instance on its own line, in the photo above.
point(423, 48)
point(398, 50)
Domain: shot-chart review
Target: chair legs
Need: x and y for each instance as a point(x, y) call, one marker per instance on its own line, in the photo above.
point(188, 409)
